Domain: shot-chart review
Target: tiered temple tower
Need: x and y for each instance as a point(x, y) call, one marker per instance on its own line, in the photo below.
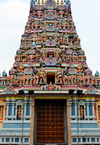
point(50, 95)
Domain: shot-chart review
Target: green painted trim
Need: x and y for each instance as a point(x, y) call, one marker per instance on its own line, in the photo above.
point(97, 87)
point(2, 87)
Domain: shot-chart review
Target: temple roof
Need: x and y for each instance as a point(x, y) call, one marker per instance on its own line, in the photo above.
point(50, 56)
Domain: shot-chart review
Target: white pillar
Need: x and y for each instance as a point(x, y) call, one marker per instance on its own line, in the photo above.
point(93, 103)
point(87, 108)
point(75, 103)
point(12, 109)
point(7, 103)
point(24, 106)
point(30, 100)
point(13, 106)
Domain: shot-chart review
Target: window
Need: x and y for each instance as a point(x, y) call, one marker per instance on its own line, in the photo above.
point(79, 139)
point(7, 139)
point(2, 139)
point(26, 140)
point(1, 111)
point(74, 139)
point(28, 109)
point(90, 110)
point(73, 109)
point(84, 139)
point(98, 111)
point(92, 139)
point(21, 139)
point(97, 139)
point(12, 140)
point(10, 110)
point(16, 139)
point(88, 140)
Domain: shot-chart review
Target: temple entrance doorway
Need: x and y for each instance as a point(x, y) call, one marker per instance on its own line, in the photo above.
point(50, 122)
point(50, 78)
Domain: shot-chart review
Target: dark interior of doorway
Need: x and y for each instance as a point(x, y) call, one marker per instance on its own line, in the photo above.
point(50, 78)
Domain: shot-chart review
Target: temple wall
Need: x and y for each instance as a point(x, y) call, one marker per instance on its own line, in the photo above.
point(16, 125)
point(84, 123)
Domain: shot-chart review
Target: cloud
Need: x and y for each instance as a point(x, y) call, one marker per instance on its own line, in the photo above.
point(87, 21)
point(13, 17)
point(13, 11)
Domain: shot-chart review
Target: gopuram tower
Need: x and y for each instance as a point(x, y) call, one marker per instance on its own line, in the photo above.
point(50, 96)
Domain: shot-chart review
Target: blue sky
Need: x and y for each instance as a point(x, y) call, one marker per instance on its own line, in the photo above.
point(13, 17)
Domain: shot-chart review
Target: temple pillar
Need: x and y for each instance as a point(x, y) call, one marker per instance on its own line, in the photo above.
point(5, 108)
point(68, 121)
point(32, 122)
point(75, 103)
point(87, 108)
point(30, 106)
point(7, 103)
point(13, 106)
point(93, 103)
point(72, 108)
point(24, 107)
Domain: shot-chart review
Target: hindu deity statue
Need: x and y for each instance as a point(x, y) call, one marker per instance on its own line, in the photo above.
point(42, 76)
point(59, 76)
point(19, 112)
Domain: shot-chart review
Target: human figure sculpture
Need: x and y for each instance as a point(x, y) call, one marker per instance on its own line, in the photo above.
point(50, 86)
point(81, 112)
point(80, 80)
point(26, 79)
point(30, 80)
point(35, 80)
point(79, 69)
point(10, 79)
point(87, 79)
point(57, 55)
point(31, 57)
point(21, 81)
point(59, 76)
point(19, 112)
point(64, 78)
point(63, 56)
point(70, 80)
point(15, 81)
point(42, 76)
point(21, 68)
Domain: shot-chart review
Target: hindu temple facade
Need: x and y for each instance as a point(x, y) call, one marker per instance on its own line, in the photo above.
point(50, 96)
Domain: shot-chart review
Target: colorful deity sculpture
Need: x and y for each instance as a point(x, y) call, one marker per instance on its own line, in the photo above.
point(59, 76)
point(50, 43)
point(35, 80)
point(42, 76)
point(19, 112)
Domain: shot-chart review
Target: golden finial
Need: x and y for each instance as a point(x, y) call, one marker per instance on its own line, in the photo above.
point(38, 2)
point(42, 2)
point(57, 2)
point(61, 2)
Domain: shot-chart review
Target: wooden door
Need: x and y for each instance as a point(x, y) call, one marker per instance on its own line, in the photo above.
point(50, 121)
